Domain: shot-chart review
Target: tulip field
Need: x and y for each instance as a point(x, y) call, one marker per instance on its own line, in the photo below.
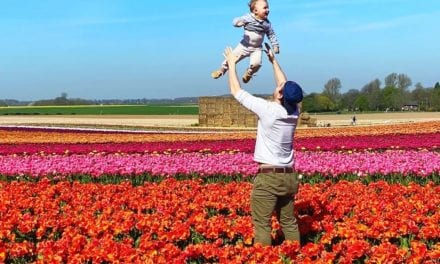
point(368, 194)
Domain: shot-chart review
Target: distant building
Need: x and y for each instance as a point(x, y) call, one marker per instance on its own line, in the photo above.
point(410, 107)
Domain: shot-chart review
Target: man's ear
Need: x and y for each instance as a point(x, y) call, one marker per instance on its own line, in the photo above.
point(279, 94)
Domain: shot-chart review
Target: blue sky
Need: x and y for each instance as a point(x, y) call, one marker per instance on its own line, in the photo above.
point(128, 49)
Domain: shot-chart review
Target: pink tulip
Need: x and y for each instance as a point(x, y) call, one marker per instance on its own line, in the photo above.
point(325, 163)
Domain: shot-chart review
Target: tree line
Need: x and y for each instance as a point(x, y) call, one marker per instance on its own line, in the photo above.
point(393, 95)
point(63, 100)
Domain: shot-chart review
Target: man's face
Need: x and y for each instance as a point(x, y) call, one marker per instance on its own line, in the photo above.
point(261, 9)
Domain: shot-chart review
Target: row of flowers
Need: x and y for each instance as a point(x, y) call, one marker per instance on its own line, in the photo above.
point(14, 135)
point(330, 164)
point(189, 221)
point(186, 221)
point(406, 141)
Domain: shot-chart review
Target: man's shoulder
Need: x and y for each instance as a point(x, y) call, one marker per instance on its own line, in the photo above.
point(281, 112)
point(275, 109)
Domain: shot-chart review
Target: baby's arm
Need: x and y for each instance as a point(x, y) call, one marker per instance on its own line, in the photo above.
point(273, 39)
point(240, 21)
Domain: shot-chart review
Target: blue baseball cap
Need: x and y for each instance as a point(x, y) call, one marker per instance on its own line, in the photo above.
point(292, 94)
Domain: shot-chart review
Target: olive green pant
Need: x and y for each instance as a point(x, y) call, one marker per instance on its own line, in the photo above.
point(274, 192)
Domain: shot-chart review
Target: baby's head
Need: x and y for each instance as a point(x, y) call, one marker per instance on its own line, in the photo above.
point(260, 8)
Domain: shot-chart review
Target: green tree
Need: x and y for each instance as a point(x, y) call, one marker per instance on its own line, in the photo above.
point(348, 99)
point(361, 103)
point(307, 103)
point(324, 103)
point(418, 86)
point(437, 85)
point(403, 82)
point(372, 92)
point(317, 103)
point(391, 80)
point(62, 100)
point(332, 89)
point(391, 98)
point(421, 96)
point(435, 98)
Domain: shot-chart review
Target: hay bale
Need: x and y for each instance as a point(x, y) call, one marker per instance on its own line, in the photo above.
point(224, 112)
point(305, 116)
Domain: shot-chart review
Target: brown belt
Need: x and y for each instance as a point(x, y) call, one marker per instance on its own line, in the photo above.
point(275, 170)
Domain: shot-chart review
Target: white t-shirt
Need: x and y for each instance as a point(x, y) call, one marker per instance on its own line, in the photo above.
point(275, 130)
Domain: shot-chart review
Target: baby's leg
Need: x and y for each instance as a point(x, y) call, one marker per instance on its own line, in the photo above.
point(255, 61)
point(241, 52)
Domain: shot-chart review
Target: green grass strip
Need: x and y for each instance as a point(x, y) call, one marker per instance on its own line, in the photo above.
point(103, 110)
point(137, 180)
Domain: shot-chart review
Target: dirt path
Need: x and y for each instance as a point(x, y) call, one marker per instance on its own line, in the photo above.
point(182, 121)
point(106, 120)
point(377, 118)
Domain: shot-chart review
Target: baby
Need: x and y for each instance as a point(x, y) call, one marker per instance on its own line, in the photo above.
point(256, 25)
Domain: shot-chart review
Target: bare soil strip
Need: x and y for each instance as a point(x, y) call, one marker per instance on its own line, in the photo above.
point(377, 118)
point(191, 121)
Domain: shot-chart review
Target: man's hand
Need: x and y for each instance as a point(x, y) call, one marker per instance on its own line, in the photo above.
point(269, 52)
point(230, 57)
point(280, 77)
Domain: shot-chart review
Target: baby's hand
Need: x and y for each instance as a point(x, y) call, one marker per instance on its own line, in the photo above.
point(240, 24)
point(276, 49)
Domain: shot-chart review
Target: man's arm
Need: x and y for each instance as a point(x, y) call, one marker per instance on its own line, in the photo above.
point(234, 84)
point(280, 77)
point(255, 104)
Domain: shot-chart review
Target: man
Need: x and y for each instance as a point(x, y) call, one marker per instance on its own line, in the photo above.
point(276, 183)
